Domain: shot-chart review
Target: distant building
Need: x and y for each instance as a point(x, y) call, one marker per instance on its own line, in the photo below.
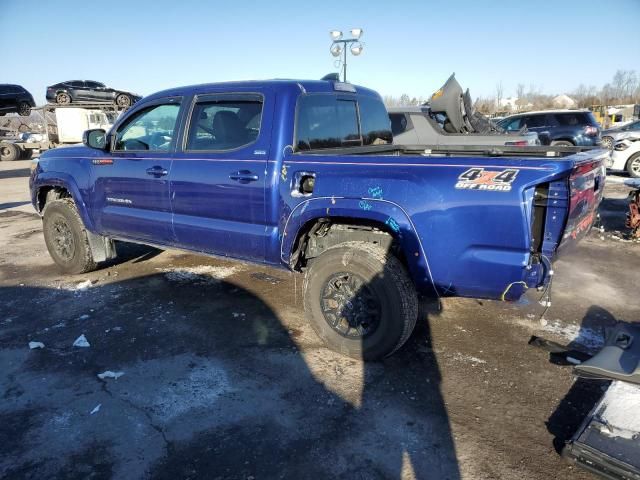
point(564, 101)
point(513, 104)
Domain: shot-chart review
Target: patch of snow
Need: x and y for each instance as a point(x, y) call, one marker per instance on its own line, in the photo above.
point(200, 389)
point(110, 374)
point(620, 407)
point(201, 274)
point(81, 341)
point(584, 336)
point(83, 285)
point(468, 358)
point(629, 182)
point(33, 345)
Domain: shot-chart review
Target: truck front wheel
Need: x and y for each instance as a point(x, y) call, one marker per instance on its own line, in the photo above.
point(360, 300)
point(66, 237)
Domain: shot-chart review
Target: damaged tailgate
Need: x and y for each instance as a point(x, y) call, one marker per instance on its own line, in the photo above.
point(586, 188)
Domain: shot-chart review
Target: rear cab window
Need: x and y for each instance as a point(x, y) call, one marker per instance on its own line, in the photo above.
point(326, 121)
point(223, 122)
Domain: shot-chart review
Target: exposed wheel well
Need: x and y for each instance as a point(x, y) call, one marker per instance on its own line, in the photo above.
point(50, 193)
point(320, 234)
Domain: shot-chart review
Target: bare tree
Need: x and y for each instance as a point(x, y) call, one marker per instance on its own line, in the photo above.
point(521, 100)
point(499, 92)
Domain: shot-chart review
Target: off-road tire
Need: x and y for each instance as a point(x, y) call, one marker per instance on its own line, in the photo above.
point(63, 98)
point(9, 152)
point(62, 214)
point(123, 100)
point(633, 166)
point(387, 280)
point(562, 143)
point(24, 109)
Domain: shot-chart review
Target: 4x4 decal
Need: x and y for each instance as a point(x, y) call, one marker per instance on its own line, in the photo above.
point(478, 178)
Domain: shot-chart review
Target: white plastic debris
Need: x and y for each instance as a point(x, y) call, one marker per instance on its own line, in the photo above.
point(110, 374)
point(81, 341)
point(96, 409)
point(83, 285)
point(33, 345)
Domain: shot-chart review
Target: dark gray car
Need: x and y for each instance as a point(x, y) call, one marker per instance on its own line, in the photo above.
point(89, 91)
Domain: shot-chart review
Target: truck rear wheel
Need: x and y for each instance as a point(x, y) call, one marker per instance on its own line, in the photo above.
point(9, 152)
point(360, 300)
point(66, 237)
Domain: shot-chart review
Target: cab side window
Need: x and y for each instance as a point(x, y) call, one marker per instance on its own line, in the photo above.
point(326, 121)
point(225, 122)
point(150, 129)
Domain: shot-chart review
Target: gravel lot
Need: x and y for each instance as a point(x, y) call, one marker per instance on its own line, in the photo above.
point(223, 378)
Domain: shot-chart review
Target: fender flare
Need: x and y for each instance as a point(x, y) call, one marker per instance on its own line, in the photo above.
point(64, 180)
point(378, 210)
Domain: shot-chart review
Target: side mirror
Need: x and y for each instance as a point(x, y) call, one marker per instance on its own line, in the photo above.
point(95, 138)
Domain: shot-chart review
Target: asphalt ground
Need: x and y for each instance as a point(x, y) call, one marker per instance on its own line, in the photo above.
point(223, 378)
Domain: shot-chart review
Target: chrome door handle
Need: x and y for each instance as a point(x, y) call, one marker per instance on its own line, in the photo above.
point(244, 176)
point(157, 172)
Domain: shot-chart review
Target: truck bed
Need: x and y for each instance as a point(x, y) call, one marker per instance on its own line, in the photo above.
point(460, 150)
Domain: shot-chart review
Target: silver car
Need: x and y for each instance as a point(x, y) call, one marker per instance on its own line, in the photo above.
point(613, 135)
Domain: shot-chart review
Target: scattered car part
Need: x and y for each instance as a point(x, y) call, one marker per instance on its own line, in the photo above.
point(633, 216)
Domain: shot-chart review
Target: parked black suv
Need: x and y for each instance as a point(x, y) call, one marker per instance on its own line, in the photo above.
point(89, 91)
point(14, 98)
point(557, 127)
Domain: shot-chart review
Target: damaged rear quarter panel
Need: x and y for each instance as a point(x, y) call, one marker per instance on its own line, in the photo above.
point(468, 242)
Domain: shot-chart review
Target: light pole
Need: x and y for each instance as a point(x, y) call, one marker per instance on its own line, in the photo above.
point(340, 45)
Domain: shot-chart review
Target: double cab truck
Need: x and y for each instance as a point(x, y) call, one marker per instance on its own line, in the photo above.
point(303, 175)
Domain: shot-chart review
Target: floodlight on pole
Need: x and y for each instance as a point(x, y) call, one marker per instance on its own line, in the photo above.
point(341, 45)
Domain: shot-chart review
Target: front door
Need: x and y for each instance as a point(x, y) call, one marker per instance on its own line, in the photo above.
point(131, 193)
point(218, 176)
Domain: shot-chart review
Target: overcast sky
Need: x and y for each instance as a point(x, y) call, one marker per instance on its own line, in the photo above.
point(409, 47)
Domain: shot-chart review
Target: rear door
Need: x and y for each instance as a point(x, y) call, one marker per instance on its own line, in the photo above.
point(97, 92)
point(131, 194)
point(81, 91)
point(218, 175)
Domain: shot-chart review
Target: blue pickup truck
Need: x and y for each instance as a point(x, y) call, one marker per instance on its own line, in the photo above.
point(303, 175)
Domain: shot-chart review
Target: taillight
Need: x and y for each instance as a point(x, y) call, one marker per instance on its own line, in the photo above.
point(590, 131)
point(518, 143)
